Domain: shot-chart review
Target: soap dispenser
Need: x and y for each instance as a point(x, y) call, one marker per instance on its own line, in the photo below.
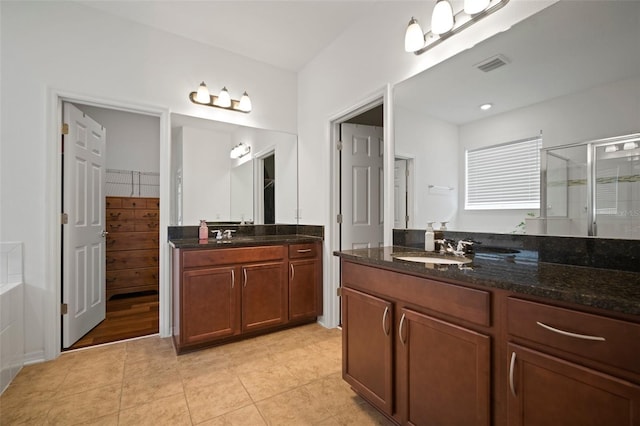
point(429, 238)
point(203, 232)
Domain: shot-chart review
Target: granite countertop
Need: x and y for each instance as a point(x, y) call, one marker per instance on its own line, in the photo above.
point(520, 272)
point(243, 241)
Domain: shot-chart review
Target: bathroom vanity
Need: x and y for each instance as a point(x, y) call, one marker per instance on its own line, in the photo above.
point(501, 340)
point(228, 289)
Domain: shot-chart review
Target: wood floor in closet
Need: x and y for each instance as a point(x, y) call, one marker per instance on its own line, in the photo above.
point(128, 316)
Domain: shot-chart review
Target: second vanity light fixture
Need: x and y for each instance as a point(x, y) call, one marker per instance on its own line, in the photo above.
point(223, 100)
point(239, 151)
point(444, 23)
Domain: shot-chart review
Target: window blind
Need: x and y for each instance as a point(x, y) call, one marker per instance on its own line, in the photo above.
point(505, 176)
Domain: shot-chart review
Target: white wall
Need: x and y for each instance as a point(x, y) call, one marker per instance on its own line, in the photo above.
point(434, 145)
point(366, 57)
point(73, 48)
point(133, 140)
point(206, 175)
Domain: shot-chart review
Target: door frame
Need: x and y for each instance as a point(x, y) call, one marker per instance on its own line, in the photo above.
point(411, 209)
point(53, 206)
point(384, 97)
point(258, 182)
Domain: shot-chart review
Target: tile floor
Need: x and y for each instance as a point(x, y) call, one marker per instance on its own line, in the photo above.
point(287, 378)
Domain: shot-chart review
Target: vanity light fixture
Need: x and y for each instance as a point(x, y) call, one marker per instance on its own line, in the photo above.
point(444, 23)
point(611, 148)
point(239, 151)
point(223, 100)
point(486, 107)
point(628, 146)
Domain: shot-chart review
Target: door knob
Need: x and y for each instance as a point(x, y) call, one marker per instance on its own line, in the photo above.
point(104, 233)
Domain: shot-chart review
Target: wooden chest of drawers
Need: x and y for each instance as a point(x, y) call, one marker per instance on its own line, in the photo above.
point(132, 244)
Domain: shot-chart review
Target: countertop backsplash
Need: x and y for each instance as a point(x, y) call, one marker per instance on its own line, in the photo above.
point(603, 253)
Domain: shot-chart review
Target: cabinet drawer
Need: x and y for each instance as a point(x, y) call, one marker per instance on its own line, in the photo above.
point(454, 300)
point(134, 203)
point(132, 278)
point(146, 226)
point(119, 214)
point(602, 339)
point(132, 240)
point(297, 251)
point(113, 202)
point(152, 203)
point(198, 257)
point(120, 226)
point(130, 259)
point(147, 214)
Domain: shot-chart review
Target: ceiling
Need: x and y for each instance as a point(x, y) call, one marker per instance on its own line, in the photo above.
point(568, 47)
point(286, 34)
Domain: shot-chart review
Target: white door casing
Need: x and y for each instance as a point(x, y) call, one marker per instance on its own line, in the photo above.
point(83, 258)
point(362, 186)
point(400, 194)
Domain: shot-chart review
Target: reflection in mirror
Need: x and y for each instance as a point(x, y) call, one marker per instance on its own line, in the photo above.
point(570, 72)
point(217, 188)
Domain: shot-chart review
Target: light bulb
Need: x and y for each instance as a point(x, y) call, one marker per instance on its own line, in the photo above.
point(245, 103)
point(471, 7)
point(202, 95)
point(611, 148)
point(485, 107)
point(414, 37)
point(629, 146)
point(224, 100)
point(442, 18)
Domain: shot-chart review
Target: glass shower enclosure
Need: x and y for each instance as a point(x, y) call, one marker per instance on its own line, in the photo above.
point(592, 188)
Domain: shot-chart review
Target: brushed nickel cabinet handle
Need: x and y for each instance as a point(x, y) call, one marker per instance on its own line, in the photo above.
point(293, 272)
point(304, 250)
point(385, 329)
point(400, 330)
point(233, 278)
point(511, 368)
point(570, 334)
point(244, 274)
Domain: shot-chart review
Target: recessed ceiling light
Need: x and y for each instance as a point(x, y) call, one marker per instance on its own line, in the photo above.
point(485, 107)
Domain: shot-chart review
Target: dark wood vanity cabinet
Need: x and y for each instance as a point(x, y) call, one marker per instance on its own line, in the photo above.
point(413, 366)
point(426, 352)
point(565, 367)
point(225, 294)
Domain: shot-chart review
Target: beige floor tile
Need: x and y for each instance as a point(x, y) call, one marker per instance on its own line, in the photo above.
point(85, 406)
point(31, 410)
point(208, 402)
point(269, 381)
point(155, 364)
point(312, 367)
point(150, 348)
point(296, 407)
point(200, 375)
point(41, 377)
point(247, 416)
point(143, 389)
point(333, 393)
point(110, 420)
point(100, 354)
point(172, 410)
point(361, 414)
point(81, 379)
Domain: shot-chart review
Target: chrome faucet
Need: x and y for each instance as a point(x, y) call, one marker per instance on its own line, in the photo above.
point(462, 247)
point(217, 234)
point(227, 233)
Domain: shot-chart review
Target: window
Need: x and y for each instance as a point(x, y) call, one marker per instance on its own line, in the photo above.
point(505, 176)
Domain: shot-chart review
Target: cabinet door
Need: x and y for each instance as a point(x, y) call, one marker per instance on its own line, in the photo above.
point(209, 304)
point(546, 390)
point(367, 345)
point(445, 372)
point(264, 295)
point(303, 297)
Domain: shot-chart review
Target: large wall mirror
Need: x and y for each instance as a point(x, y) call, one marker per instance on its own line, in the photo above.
point(567, 75)
point(259, 187)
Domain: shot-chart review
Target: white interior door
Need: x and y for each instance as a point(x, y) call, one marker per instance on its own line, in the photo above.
point(83, 280)
point(400, 219)
point(362, 186)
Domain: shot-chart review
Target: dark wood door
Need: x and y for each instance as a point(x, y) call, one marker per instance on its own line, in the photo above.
point(264, 295)
point(445, 372)
point(303, 297)
point(546, 390)
point(209, 304)
point(367, 345)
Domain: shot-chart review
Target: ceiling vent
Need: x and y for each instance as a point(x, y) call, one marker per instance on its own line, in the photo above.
point(492, 63)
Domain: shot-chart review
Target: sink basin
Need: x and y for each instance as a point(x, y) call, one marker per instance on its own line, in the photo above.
point(435, 260)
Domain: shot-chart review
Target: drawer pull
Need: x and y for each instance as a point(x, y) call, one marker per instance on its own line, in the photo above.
point(233, 278)
point(568, 333)
point(511, 368)
point(400, 330)
point(244, 273)
point(385, 329)
point(304, 250)
point(293, 272)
